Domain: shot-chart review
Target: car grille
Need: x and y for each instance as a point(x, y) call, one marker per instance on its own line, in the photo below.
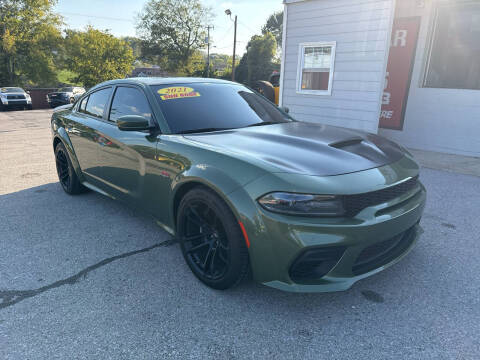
point(356, 203)
point(383, 252)
point(13, 97)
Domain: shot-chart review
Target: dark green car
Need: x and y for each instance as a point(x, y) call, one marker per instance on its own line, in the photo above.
point(242, 185)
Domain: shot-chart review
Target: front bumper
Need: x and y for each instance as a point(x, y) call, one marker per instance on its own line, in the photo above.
point(58, 102)
point(12, 104)
point(278, 241)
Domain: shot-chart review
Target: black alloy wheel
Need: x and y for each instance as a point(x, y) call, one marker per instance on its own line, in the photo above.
point(205, 241)
point(63, 170)
point(211, 240)
point(66, 174)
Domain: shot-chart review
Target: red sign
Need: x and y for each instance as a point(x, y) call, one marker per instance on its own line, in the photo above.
point(399, 72)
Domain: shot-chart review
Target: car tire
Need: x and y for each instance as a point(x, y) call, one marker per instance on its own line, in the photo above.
point(211, 240)
point(66, 174)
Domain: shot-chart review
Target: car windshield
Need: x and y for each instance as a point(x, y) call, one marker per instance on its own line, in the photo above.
point(66, 89)
point(11, 90)
point(201, 107)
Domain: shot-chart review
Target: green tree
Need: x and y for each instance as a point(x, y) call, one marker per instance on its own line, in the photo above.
point(241, 70)
point(30, 38)
point(136, 45)
point(194, 66)
point(261, 50)
point(97, 56)
point(274, 25)
point(173, 30)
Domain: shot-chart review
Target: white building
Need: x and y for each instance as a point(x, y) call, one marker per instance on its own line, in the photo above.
point(407, 69)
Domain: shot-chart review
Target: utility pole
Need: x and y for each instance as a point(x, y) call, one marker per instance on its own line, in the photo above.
point(208, 49)
point(229, 13)
point(234, 48)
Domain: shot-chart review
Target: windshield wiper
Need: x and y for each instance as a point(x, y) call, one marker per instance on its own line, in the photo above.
point(193, 131)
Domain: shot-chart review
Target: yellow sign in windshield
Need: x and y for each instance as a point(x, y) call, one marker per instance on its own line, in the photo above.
point(177, 92)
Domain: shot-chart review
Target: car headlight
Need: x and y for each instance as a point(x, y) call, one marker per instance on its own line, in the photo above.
point(303, 204)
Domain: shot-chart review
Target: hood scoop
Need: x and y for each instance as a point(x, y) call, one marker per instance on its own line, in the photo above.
point(346, 143)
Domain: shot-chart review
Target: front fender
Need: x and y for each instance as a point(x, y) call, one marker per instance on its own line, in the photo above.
point(214, 178)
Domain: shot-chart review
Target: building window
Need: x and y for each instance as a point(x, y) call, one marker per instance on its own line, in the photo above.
point(455, 50)
point(315, 68)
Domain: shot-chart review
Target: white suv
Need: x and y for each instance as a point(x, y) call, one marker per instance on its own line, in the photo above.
point(15, 98)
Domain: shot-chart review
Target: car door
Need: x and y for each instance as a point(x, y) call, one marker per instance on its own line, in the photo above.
point(82, 126)
point(126, 155)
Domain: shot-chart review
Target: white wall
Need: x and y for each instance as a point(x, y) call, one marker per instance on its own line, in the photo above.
point(444, 120)
point(362, 30)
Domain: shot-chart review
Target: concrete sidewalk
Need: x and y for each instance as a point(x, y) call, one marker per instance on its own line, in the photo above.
point(448, 162)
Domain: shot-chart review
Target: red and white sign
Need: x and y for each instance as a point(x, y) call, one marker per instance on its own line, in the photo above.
point(399, 72)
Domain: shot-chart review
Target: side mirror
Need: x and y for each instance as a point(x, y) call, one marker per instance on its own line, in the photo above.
point(133, 123)
point(285, 109)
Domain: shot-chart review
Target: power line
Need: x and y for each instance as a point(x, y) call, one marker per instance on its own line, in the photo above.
point(247, 27)
point(97, 17)
point(225, 34)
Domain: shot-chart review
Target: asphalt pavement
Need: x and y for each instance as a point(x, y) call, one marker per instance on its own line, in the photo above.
point(87, 277)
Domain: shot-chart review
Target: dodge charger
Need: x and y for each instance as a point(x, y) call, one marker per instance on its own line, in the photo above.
point(243, 186)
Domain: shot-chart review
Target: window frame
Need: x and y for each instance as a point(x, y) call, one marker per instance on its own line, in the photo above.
point(152, 121)
point(107, 104)
point(79, 105)
point(433, 28)
point(301, 63)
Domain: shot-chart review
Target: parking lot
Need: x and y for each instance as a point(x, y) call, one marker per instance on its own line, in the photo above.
point(87, 277)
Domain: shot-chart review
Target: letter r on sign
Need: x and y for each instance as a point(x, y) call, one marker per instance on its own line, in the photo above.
point(400, 38)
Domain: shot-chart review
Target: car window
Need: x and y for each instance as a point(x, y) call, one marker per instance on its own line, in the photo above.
point(129, 101)
point(201, 106)
point(97, 102)
point(83, 104)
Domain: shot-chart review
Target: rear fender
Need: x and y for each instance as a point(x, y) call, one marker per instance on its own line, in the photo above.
point(61, 134)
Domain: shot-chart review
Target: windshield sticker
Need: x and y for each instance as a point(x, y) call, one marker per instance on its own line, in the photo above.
point(177, 92)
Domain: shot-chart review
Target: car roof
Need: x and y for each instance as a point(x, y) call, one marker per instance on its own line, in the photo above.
point(163, 81)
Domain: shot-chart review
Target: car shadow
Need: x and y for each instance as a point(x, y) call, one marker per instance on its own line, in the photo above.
point(53, 240)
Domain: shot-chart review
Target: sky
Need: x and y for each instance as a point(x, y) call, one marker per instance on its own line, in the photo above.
point(119, 16)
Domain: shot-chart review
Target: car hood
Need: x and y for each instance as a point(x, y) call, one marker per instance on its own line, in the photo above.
point(305, 148)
